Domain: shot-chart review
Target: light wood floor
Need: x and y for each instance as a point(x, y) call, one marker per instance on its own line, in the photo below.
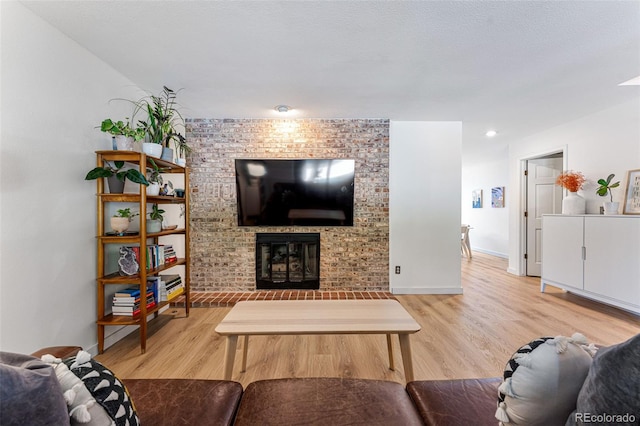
point(462, 336)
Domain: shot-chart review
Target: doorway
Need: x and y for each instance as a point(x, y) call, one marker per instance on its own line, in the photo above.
point(543, 196)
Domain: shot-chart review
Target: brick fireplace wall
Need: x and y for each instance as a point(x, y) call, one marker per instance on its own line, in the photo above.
point(223, 254)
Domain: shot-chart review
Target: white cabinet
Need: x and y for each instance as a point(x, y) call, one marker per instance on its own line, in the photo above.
point(594, 256)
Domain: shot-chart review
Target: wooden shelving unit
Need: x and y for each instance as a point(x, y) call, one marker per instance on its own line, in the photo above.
point(108, 278)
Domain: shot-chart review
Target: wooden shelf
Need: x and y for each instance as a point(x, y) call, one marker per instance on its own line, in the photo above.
point(106, 280)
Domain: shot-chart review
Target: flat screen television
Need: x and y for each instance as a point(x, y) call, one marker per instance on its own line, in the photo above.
point(300, 192)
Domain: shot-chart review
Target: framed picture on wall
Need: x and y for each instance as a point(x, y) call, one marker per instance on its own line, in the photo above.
point(632, 193)
point(497, 197)
point(476, 198)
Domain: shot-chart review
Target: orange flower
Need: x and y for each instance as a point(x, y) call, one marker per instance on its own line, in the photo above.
point(571, 180)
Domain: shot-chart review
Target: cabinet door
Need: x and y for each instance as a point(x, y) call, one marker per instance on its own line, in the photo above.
point(612, 264)
point(562, 250)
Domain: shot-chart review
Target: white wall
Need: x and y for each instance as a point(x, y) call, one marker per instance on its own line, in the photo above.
point(490, 226)
point(597, 145)
point(424, 207)
point(53, 95)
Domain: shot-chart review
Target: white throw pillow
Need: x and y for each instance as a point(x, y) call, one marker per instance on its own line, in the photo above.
point(542, 381)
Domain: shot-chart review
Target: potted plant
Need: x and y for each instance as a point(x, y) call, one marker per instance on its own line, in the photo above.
point(154, 177)
point(154, 223)
point(116, 176)
point(183, 151)
point(162, 123)
point(124, 134)
point(572, 181)
point(121, 220)
point(605, 187)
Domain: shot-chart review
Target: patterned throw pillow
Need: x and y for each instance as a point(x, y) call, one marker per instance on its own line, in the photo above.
point(542, 381)
point(109, 392)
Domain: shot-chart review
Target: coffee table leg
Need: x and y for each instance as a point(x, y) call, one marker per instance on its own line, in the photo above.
point(229, 355)
point(405, 348)
point(245, 349)
point(392, 366)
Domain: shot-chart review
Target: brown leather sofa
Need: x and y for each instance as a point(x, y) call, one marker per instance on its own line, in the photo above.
point(309, 401)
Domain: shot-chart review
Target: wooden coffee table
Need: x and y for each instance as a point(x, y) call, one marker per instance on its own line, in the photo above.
point(294, 317)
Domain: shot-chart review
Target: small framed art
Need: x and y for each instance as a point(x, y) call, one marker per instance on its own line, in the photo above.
point(632, 193)
point(476, 198)
point(497, 197)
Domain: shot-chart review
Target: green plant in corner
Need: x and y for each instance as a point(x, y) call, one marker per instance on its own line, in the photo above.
point(163, 117)
point(606, 186)
point(156, 213)
point(116, 170)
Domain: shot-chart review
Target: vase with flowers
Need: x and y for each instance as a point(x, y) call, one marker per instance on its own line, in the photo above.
point(572, 182)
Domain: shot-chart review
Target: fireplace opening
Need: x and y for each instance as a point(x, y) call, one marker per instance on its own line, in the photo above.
point(288, 261)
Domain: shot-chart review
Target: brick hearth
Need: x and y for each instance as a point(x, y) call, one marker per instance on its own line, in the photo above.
point(208, 299)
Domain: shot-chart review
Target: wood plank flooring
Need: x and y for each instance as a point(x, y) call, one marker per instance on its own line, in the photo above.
point(462, 336)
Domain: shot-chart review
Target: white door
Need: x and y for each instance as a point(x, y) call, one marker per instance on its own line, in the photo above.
point(543, 197)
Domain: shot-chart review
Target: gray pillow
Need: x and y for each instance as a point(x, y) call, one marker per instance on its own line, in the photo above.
point(30, 393)
point(611, 391)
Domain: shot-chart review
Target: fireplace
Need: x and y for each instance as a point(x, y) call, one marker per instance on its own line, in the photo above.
point(288, 261)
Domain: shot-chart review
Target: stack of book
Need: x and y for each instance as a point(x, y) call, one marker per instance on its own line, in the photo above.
point(165, 287)
point(156, 255)
point(127, 302)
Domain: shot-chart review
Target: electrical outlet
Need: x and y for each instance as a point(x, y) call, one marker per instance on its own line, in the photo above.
point(397, 269)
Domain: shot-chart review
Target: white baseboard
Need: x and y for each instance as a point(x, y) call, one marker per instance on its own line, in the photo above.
point(427, 290)
point(493, 253)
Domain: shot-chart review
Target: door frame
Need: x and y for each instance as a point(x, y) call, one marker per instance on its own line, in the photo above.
point(522, 183)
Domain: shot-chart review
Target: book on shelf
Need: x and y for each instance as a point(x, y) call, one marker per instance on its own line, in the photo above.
point(117, 301)
point(128, 292)
point(156, 255)
point(134, 312)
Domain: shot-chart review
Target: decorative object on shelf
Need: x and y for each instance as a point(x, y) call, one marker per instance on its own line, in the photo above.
point(124, 134)
point(476, 198)
point(154, 223)
point(497, 197)
point(610, 207)
point(167, 188)
point(116, 171)
point(154, 177)
point(167, 154)
point(152, 149)
point(178, 192)
point(121, 220)
point(127, 262)
point(573, 203)
point(170, 227)
point(632, 198)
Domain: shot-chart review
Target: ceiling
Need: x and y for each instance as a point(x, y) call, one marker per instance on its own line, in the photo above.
point(516, 66)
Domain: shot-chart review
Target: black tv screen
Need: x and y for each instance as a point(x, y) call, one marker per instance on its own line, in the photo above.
point(305, 192)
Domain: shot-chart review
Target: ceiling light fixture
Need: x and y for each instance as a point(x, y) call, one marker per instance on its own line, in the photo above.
point(491, 133)
point(282, 108)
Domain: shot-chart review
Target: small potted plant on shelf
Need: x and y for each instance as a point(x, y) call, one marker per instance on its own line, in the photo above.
point(154, 177)
point(572, 181)
point(121, 220)
point(124, 134)
point(610, 207)
point(154, 223)
point(116, 176)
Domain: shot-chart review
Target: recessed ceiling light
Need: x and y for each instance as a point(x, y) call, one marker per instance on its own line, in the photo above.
point(633, 82)
point(282, 108)
point(491, 133)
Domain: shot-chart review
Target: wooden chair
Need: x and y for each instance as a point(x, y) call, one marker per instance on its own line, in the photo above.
point(464, 240)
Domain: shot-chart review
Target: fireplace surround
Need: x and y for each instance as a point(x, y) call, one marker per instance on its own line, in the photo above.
point(288, 261)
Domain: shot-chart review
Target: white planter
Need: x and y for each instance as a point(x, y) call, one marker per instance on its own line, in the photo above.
point(611, 208)
point(152, 149)
point(153, 189)
point(124, 143)
point(182, 162)
point(119, 224)
point(573, 204)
